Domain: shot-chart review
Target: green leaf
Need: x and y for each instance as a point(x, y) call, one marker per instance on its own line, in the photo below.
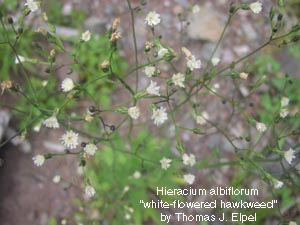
point(54, 39)
point(280, 3)
point(52, 221)
point(52, 28)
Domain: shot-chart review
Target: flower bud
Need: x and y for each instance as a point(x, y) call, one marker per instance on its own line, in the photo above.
point(47, 70)
point(232, 9)
point(112, 127)
point(20, 30)
point(296, 38)
point(10, 20)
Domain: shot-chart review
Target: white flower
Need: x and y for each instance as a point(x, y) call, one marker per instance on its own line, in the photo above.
point(196, 9)
point(127, 216)
point(134, 112)
point(289, 155)
point(161, 52)
point(277, 184)
point(153, 89)
point(51, 122)
point(38, 160)
point(136, 175)
point(261, 127)
point(150, 71)
point(90, 149)
point(188, 160)
point(165, 163)
point(284, 112)
point(70, 139)
point(37, 128)
point(21, 59)
point(189, 178)
point(159, 116)
point(284, 101)
point(244, 75)
point(56, 179)
point(90, 191)
point(152, 19)
point(67, 85)
point(215, 61)
point(201, 119)
point(292, 223)
point(178, 79)
point(193, 63)
point(215, 87)
point(256, 7)
point(32, 5)
point(126, 188)
point(86, 36)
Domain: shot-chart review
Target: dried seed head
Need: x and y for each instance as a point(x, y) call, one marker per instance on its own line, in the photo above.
point(116, 24)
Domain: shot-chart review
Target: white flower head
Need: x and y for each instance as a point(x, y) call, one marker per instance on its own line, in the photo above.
point(165, 163)
point(134, 112)
point(32, 5)
point(136, 175)
point(127, 216)
point(162, 52)
point(284, 112)
point(196, 9)
point(189, 178)
point(292, 223)
point(193, 63)
point(215, 61)
point(126, 188)
point(67, 85)
point(188, 160)
point(277, 184)
point(51, 122)
point(56, 179)
point(90, 149)
point(244, 75)
point(261, 127)
point(86, 36)
point(159, 116)
point(150, 71)
point(153, 89)
point(201, 119)
point(38, 160)
point(289, 155)
point(215, 87)
point(69, 139)
point(284, 101)
point(89, 191)
point(21, 59)
point(256, 7)
point(152, 19)
point(178, 79)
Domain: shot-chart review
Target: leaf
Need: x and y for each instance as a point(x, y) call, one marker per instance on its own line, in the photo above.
point(54, 39)
point(280, 3)
point(52, 28)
